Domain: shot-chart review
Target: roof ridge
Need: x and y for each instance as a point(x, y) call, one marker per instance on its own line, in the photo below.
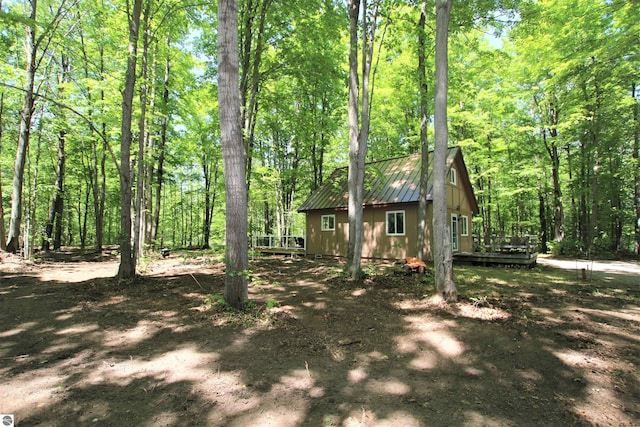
point(431, 150)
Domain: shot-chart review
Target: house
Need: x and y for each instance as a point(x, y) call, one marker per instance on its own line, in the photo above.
point(390, 211)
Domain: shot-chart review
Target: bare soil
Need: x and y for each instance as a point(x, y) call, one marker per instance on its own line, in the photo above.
point(535, 347)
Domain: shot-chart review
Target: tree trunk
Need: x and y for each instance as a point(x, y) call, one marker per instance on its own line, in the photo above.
point(594, 227)
point(636, 168)
point(13, 245)
point(127, 267)
point(53, 227)
point(358, 133)
point(443, 262)
point(422, 238)
point(550, 116)
point(210, 184)
point(161, 146)
point(98, 177)
point(583, 217)
point(138, 228)
point(100, 191)
point(150, 144)
point(542, 215)
point(234, 155)
point(57, 205)
point(558, 219)
point(250, 79)
point(83, 214)
point(355, 172)
point(3, 235)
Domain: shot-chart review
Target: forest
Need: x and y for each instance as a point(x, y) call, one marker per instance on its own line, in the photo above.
point(543, 99)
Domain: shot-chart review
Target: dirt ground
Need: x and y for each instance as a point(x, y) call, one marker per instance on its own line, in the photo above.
point(535, 347)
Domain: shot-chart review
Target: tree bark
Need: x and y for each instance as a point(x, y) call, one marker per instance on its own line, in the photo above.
point(422, 238)
point(354, 253)
point(234, 155)
point(552, 118)
point(13, 245)
point(54, 219)
point(636, 169)
point(161, 146)
point(443, 262)
point(542, 215)
point(210, 186)
point(251, 57)
point(358, 109)
point(139, 222)
point(3, 235)
point(98, 160)
point(53, 228)
point(127, 267)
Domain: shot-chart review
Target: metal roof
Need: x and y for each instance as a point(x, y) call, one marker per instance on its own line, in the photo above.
point(388, 181)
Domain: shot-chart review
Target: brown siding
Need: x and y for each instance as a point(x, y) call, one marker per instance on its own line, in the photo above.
point(376, 243)
point(330, 243)
point(459, 204)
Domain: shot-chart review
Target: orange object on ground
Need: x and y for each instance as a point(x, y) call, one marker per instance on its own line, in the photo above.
point(414, 263)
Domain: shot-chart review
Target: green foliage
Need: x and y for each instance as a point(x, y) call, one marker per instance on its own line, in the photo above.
point(245, 274)
point(214, 300)
point(566, 248)
point(578, 58)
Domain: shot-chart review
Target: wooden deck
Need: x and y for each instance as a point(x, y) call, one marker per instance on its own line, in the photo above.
point(519, 259)
point(275, 245)
point(280, 251)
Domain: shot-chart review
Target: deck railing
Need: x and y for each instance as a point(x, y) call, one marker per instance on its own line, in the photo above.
point(527, 244)
point(297, 243)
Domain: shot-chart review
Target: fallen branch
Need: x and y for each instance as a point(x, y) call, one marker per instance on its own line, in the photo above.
point(190, 274)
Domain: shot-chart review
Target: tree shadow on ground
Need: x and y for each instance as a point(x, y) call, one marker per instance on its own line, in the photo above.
point(103, 352)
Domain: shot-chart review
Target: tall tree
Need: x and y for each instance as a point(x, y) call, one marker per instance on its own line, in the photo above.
point(252, 38)
point(34, 46)
point(164, 124)
point(53, 227)
point(359, 121)
point(234, 155)
point(3, 236)
point(99, 140)
point(127, 268)
point(443, 258)
point(141, 176)
point(636, 169)
point(31, 45)
point(422, 238)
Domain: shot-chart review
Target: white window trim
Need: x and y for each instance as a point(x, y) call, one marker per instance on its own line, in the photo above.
point(464, 231)
point(404, 223)
point(453, 176)
point(322, 227)
point(455, 237)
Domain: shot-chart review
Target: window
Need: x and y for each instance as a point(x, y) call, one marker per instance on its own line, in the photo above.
point(395, 223)
point(454, 233)
point(328, 223)
point(464, 225)
point(453, 179)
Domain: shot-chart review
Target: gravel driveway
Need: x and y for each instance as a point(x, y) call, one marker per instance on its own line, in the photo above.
point(630, 269)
